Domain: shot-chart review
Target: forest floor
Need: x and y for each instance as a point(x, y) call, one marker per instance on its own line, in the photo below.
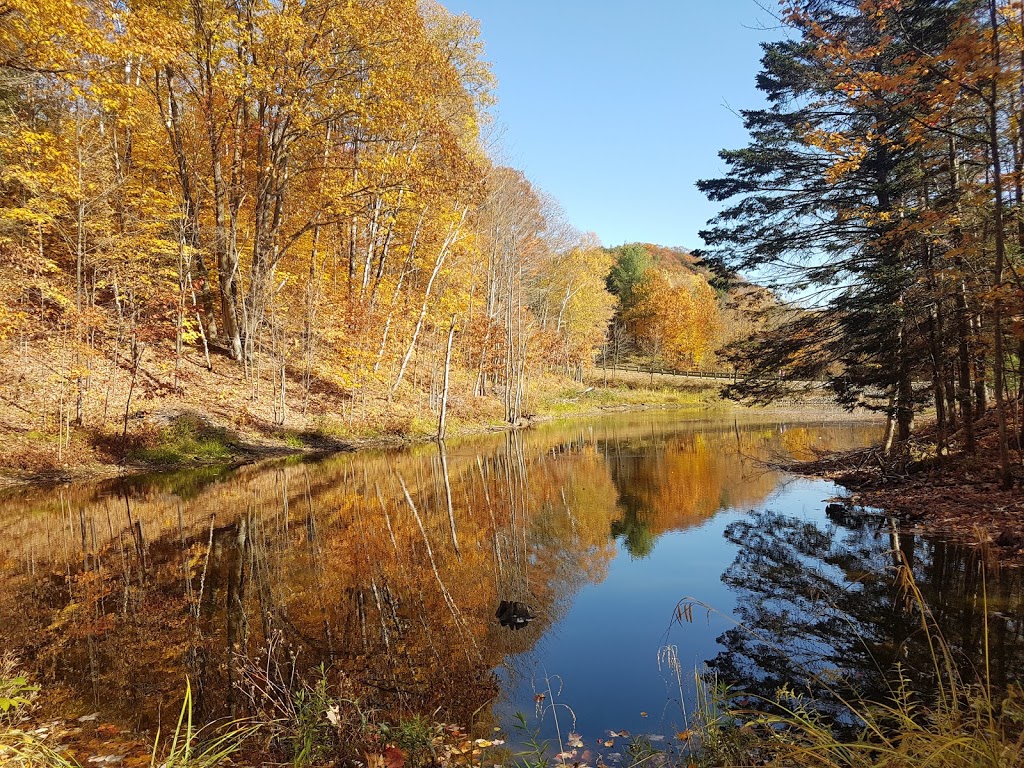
point(956, 493)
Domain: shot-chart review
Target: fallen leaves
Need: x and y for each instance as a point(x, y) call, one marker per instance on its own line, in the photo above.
point(394, 757)
point(957, 495)
point(485, 743)
point(334, 715)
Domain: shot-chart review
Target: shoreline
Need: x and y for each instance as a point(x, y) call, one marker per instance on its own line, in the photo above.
point(956, 495)
point(252, 452)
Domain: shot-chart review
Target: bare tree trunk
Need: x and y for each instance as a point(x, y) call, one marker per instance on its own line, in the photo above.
point(137, 350)
point(964, 360)
point(1000, 245)
point(190, 212)
point(453, 233)
point(409, 261)
point(442, 419)
point(890, 424)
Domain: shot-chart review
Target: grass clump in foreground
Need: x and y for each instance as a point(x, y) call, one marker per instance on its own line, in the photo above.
point(967, 724)
point(307, 721)
point(20, 747)
point(206, 747)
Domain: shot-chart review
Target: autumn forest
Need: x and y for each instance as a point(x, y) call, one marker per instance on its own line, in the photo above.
point(885, 180)
point(298, 199)
point(329, 435)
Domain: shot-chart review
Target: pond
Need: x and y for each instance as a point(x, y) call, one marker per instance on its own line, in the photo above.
point(577, 573)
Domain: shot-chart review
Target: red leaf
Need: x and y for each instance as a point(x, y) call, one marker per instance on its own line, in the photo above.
point(394, 758)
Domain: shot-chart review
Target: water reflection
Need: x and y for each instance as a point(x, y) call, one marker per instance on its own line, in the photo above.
point(821, 606)
point(413, 575)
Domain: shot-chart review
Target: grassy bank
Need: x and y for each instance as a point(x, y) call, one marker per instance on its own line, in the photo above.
point(112, 422)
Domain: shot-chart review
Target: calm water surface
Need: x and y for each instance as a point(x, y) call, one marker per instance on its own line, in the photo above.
point(388, 568)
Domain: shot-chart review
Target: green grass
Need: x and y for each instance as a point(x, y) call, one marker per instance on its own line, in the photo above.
point(18, 747)
point(416, 737)
point(293, 439)
point(569, 402)
point(188, 439)
point(205, 747)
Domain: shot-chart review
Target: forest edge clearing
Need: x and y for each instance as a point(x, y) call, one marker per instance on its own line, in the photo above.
point(200, 422)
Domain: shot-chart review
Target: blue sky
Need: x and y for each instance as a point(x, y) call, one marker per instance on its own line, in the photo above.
point(616, 108)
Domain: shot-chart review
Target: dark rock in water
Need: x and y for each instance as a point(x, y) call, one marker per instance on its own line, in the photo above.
point(513, 614)
point(837, 510)
point(848, 514)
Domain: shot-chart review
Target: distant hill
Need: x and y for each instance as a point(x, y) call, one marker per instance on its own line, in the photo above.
point(744, 308)
point(668, 257)
point(742, 295)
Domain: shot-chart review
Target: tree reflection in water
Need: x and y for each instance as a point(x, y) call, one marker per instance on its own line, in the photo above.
point(384, 566)
point(821, 608)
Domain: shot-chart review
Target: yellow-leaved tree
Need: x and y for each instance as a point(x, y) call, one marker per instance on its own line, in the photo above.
point(674, 325)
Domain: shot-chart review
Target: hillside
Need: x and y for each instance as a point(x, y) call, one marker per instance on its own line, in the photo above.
point(675, 313)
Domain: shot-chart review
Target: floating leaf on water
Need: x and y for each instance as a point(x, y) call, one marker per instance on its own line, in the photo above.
point(566, 755)
point(685, 735)
point(619, 734)
point(574, 740)
point(484, 743)
point(539, 697)
point(610, 743)
point(655, 737)
point(643, 714)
